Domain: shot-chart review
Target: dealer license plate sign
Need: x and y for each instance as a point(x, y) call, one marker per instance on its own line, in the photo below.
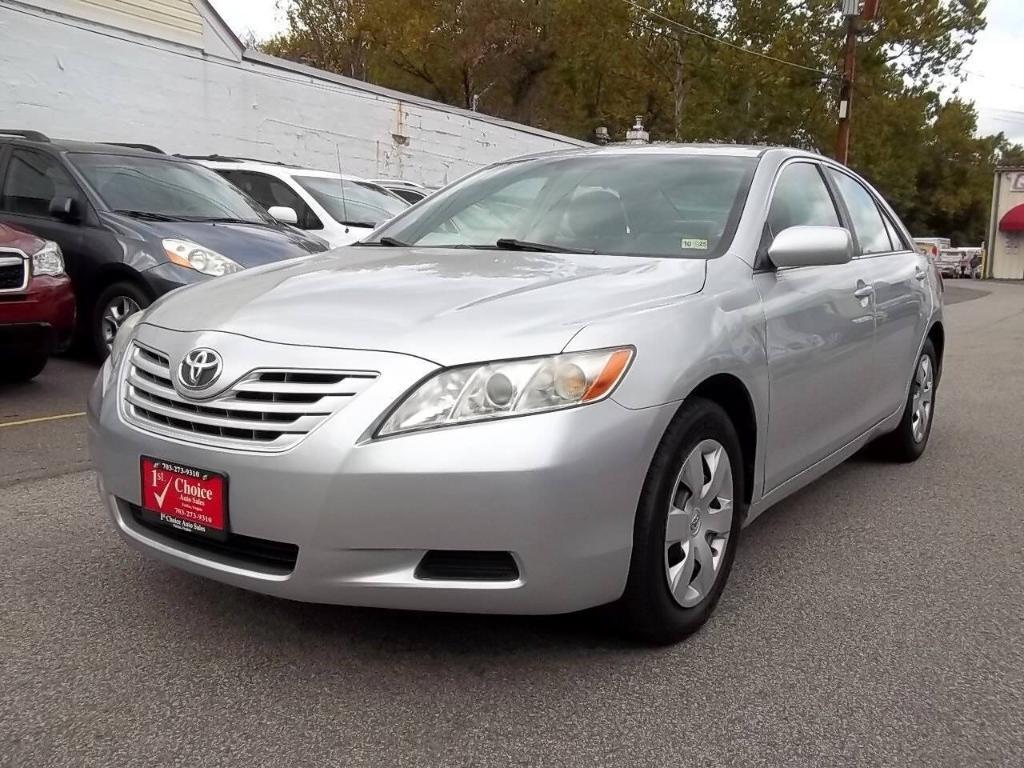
point(185, 498)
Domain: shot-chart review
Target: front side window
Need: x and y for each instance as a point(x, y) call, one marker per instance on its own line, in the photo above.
point(621, 203)
point(157, 187)
point(867, 219)
point(801, 198)
point(270, 191)
point(33, 180)
point(352, 203)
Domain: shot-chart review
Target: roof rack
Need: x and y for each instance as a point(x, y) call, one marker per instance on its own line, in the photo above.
point(30, 135)
point(235, 159)
point(147, 147)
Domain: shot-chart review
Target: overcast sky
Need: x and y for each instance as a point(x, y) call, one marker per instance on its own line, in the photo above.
point(994, 80)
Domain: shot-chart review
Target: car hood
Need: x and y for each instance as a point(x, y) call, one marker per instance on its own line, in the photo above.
point(444, 305)
point(251, 245)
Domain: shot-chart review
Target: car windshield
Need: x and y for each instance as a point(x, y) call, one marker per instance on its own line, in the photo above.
point(621, 203)
point(155, 187)
point(353, 203)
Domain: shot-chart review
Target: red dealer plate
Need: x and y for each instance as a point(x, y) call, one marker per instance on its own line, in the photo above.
point(187, 499)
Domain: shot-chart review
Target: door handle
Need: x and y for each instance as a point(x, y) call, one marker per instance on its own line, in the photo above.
point(919, 273)
point(864, 292)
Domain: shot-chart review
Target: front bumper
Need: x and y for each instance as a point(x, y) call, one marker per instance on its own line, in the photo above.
point(558, 491)
point(42, 317)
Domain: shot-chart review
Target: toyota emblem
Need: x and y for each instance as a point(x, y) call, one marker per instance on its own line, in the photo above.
point(200, 368)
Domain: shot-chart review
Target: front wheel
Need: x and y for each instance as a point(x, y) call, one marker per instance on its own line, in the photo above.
point(113, 306)
point(23, 367)
point(908, 441)
point(687, 526)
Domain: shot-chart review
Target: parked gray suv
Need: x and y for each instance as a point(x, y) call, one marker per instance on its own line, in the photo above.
point(565, 381)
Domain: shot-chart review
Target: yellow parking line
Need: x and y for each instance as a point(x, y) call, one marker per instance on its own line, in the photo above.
point(23, 422)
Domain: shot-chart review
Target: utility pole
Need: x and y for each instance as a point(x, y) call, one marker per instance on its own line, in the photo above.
point(851, 9)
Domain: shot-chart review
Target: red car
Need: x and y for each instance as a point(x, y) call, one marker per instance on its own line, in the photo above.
point(37, 305)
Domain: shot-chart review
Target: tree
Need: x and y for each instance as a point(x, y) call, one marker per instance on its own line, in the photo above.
point(752, 71)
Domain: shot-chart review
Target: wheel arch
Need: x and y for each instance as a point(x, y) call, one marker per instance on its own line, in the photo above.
point(109, 274)
point(937, 336)
point(732, 395)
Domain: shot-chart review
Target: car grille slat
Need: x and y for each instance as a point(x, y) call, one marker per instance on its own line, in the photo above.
point(266, 410)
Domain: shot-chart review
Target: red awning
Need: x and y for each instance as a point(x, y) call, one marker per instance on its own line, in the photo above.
point(1013, 221)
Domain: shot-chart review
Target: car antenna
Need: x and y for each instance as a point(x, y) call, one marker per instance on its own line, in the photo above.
point(341, 178)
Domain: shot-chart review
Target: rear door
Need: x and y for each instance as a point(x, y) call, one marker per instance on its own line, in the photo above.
point(820, 336)
point(899, 276)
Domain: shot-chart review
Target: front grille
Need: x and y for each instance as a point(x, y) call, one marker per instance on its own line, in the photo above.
point(466, 565)
point(266, 410)
point(267, 555)
point(13, 273)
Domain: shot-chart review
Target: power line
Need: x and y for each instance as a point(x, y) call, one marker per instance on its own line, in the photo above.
point(748, 51)
point(995, 80)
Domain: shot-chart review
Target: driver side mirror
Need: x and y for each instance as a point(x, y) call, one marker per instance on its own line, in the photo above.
point(284, 214)
point(66, 209)
point(811, 247)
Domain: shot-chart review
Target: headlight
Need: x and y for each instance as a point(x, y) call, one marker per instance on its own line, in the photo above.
point(513, 388)
point(185, 253)
point(48, 260)
point(123, 338)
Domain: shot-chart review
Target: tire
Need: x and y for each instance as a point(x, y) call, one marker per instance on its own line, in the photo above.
point(907, 442)
point(112, 306)
point(700, 435)
point(23, 367)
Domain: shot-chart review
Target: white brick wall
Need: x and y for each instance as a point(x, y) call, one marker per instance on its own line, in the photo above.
point(72, 79)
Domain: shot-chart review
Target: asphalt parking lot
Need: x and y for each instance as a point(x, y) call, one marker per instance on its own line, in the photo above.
point(875, 618)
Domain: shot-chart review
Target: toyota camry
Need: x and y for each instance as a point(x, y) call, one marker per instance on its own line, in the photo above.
point(567, 380)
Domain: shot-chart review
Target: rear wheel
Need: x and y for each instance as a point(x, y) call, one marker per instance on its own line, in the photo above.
point(23, 367)
point(687, 527)
point(113, 306)
point(908, 441)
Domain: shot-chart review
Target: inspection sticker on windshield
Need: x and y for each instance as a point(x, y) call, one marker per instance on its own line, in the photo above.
point(694, 244)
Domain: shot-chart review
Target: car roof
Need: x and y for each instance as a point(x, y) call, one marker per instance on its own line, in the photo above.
point(269, 167)
point(670, 148)
point(91, 147)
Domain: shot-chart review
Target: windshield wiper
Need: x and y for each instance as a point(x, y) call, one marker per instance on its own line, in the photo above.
point(148, 215)
point(364, 224)
point(227, 220)
point(511, 244)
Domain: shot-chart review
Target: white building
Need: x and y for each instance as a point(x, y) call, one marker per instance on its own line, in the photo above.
point(1005, 243)
point(171, 73)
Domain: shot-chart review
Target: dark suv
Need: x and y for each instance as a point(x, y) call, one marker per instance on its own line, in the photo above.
point(134, 223)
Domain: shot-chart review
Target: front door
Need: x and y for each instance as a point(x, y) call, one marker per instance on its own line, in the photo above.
point(819, 324)
point(31, 181)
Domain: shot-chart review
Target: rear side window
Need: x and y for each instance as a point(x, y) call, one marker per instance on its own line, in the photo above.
point(898, 243)
point(801, 198)
point(33, 180)
point(868, 223)
point(409, 195)
point(269, 191)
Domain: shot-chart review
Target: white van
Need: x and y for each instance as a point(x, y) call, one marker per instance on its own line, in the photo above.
point(341, 209)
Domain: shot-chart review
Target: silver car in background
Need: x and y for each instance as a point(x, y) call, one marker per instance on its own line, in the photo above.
point(564, 381)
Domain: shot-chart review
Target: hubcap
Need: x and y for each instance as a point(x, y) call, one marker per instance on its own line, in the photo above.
point(114, 314)
point(921, 400)
point(699, 521)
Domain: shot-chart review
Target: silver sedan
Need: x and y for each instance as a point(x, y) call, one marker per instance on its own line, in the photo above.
point(565, 381)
